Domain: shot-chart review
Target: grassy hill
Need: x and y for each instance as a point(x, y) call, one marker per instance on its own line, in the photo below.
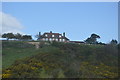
point(13, 50)
point(59, 60)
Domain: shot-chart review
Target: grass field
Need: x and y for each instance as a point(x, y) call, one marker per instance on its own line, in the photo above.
point(10, 53)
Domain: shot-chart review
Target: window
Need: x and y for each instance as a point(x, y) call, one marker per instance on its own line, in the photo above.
point(56, 39)
point(43, 39)
point(46, 35)
point(50, 39)
point(60, 40)
point(53, 35)
point(59, 35)
point(46, 39)
point(63, 40)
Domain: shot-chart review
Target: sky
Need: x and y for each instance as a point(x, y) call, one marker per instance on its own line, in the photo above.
point(60, 0)
point(77, 19)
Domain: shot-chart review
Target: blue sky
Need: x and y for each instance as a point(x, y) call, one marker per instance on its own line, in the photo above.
point(78, 19)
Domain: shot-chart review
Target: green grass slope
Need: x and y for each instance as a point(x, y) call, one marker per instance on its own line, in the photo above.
point(13, 50)
point(64, 60)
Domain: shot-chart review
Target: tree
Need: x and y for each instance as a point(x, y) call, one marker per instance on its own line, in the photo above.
point(26, 37)
point(18, 36)
point(92, 39)
point(88, 40)
point(101, 43)
point(114, 42)
point(95, 36)
point(8, 36)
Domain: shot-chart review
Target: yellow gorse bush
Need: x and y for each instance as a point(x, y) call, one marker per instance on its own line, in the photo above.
point(34, 68)
point(6, 75)
point(39, 64)
point(8, 71)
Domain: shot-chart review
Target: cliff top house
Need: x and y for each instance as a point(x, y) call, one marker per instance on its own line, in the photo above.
point(50, 36)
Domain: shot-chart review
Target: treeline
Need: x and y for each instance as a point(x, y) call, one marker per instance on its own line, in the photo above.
point(93, 40)
point(67, 60)
point(17, 36)
point(90, 40)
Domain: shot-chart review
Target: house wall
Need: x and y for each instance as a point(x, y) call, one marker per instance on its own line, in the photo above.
point(53, 37)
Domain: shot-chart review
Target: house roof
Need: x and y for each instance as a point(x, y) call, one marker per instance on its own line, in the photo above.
point(53, 33)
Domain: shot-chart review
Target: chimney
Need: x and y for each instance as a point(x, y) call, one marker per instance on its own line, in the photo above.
point(50, 31)
point(39, 34)
point(64, 34)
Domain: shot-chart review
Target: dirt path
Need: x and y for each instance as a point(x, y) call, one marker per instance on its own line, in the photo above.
point(35, 43)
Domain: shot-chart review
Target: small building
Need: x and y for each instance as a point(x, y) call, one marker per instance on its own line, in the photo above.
point(78, 42)
point(50, 36)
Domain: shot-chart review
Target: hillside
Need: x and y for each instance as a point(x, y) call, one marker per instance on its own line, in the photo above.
point(59, 60)
point(13, 50)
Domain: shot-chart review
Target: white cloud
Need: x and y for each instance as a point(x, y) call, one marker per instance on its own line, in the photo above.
point(9, 23)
